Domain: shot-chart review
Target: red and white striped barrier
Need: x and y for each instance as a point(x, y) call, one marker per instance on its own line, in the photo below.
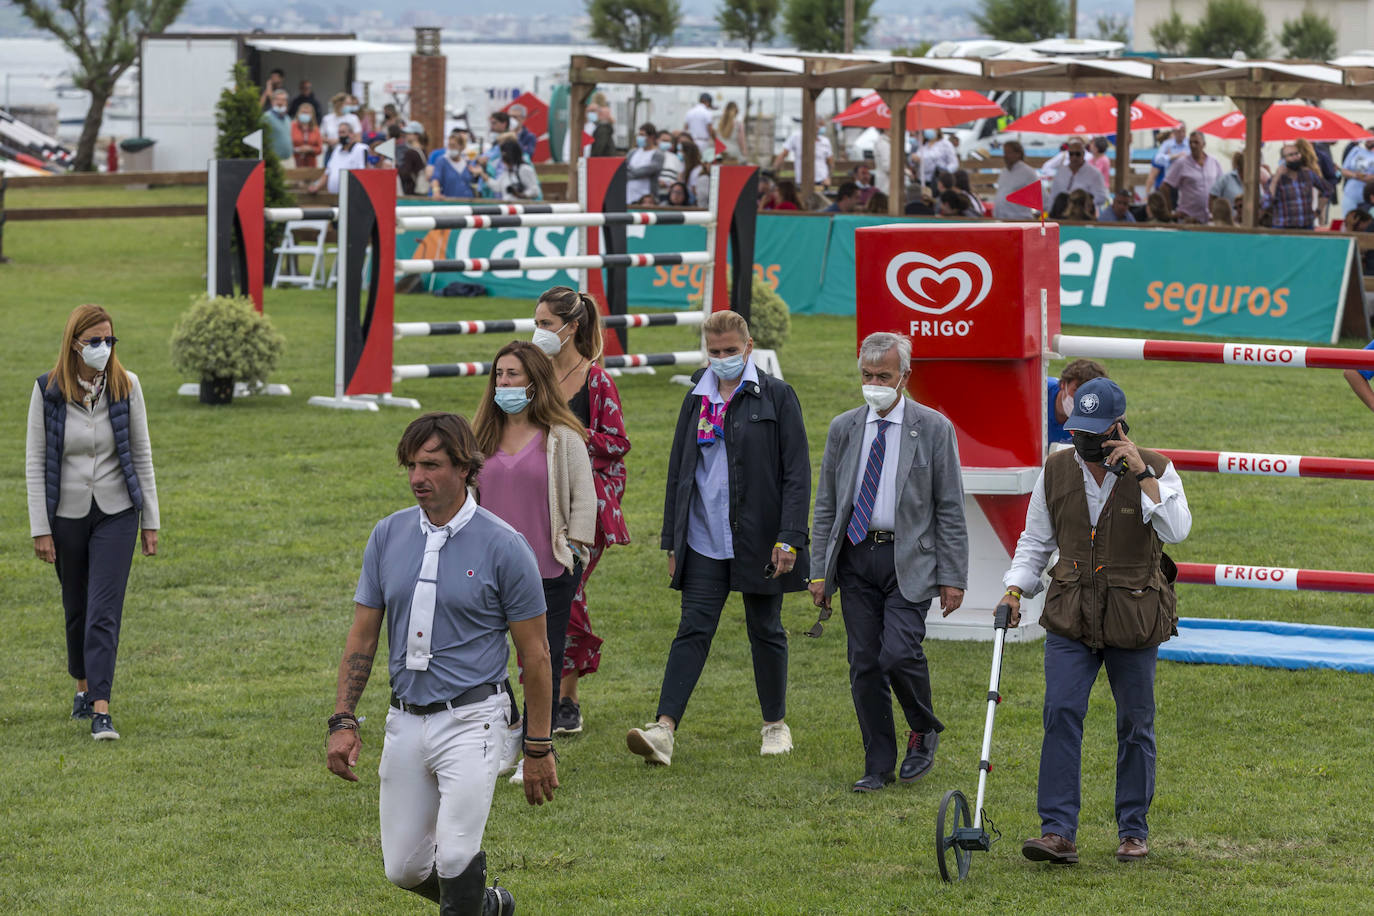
point(574, 262)
point(628, 361)
point(1232, 354)
point(442, 211)
point(427, 222)
point(526, 325)
point(1267, 465)
point(1283, 578)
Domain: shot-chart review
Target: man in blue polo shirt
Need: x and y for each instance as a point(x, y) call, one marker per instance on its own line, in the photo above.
point(1059, 395)
point(450, 579)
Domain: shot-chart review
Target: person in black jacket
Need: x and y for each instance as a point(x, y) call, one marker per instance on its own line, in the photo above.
point(734, 519)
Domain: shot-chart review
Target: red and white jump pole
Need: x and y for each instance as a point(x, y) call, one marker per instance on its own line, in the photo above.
point(573, 262)
point(1270, 465)
point(1283, 578)
point(427, 223)
point(1232, 354)
point(625, 361)
point(526, 325)
point(442, 211)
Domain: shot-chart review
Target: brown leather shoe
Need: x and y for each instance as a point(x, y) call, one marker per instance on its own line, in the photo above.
point(1132, 849)
point(1050, 848)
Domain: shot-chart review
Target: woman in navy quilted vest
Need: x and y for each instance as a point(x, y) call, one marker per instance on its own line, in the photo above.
point(89, 468)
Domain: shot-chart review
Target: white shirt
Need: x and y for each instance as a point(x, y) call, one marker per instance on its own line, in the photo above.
point(938, 154)
point(342, 160)
point(1087, 178)
point(1170, 517)
point(793, 145)
point(882, 163)
point(1014, 178)
point(672, 170)
point(698, 124)
point(636, 188)
point(884, 517)
point(329, 125)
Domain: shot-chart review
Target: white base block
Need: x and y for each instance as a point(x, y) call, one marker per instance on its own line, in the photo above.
point(632, 370)
point(987, 562)
point(342, 403)
point(682, 380)
point(389, 400)
point(767, 360)
point(241, 390)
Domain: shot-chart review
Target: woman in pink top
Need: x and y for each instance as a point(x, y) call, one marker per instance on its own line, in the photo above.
point(538, 479)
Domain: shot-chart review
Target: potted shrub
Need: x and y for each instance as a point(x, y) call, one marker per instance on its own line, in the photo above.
point(222, 340)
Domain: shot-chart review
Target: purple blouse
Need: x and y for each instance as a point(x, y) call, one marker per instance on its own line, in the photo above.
point(515, 488)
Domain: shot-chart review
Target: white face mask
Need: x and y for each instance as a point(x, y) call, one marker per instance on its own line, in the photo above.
point(1066, 403)
point(548, 341)
point(879, 397)
point(96, 357)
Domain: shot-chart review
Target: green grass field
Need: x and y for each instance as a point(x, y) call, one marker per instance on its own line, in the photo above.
point(217, 799)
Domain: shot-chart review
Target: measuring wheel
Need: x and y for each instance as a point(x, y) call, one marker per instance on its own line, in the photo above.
point(953, 820)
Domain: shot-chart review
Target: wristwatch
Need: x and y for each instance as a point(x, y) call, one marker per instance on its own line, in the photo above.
point(1148, 472)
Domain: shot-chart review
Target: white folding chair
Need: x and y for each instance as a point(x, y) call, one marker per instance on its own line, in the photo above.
point(293, 248)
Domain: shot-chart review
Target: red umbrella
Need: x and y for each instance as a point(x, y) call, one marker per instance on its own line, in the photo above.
point(927, 108)
point(1088, 115)
point(1288, 122)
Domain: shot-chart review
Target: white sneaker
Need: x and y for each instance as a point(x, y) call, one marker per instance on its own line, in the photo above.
point(518, 779)
point(653, 742)
point(510, 748)
point(777, 739)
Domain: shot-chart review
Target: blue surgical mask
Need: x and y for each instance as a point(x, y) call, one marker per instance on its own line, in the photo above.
point(728, 368)
point(592, 116)
point(513, 400)
point(641, 141)
point(350, 109)
point(665, 145)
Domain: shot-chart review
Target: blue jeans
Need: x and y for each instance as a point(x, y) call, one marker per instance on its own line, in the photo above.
point(1070, 670)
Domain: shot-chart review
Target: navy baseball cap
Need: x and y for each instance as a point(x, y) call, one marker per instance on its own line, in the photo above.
point(1097, 404)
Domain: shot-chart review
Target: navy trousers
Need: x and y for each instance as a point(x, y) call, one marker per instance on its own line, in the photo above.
point(1070, 670)
point(558, 596)
point(705, 586)
point(94, 555)
point(884, 632)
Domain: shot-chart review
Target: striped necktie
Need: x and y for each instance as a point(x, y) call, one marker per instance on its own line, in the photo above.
point(868, 490)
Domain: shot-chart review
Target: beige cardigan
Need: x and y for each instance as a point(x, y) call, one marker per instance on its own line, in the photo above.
point(572, 496)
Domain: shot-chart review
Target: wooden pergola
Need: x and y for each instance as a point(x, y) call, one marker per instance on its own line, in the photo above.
point(1253, 85)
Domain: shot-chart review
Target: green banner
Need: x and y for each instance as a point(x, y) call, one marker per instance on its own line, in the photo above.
point(1226, 284)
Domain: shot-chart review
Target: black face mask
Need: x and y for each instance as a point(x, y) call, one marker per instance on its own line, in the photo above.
point(1091, 447)
point(1294, 164)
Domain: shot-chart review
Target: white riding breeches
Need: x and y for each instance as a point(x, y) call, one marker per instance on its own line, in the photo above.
point(438, 773)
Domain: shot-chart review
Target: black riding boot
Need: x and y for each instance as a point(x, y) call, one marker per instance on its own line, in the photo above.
point(428, 888)
point(468, 895)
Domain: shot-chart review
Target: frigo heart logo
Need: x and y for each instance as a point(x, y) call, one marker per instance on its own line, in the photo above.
point(968, 270)
point(884, 111)
point(1052, 117)
point(1305, 123)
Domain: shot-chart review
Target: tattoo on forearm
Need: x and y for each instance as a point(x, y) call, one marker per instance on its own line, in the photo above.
point(359, 668)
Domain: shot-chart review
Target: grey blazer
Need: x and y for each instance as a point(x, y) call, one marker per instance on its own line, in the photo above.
point(931, 537)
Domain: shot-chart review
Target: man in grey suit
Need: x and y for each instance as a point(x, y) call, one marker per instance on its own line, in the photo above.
point(889, 533)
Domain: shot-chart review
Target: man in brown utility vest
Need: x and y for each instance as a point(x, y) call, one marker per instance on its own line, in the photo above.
point(1108, 507)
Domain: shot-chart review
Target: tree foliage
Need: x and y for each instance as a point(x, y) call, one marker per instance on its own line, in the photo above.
point(1170, 35)
point(1111, 27)
point(753, 22)
point(917, 50)
point(1022, 20)
point(634, 25)
point(1309, 37)
point(1228, 26)
point(103, 37)
point(237, 114)
point(818, 25)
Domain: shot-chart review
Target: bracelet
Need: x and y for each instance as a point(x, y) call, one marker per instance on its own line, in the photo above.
point(343, 717)
point(786, 548)
point(1013, 591)
point(539, 740)
point(542, 754)
point(343, 727)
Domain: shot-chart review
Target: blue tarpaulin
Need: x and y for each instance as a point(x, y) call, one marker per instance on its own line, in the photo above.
point(1270, 644)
